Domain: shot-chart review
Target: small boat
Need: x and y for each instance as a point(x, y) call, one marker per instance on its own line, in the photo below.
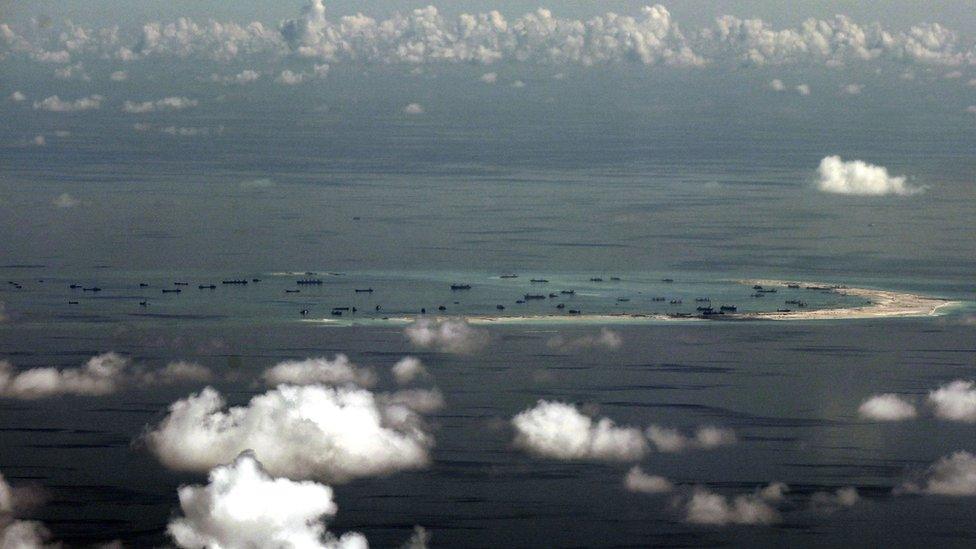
point(75, 286)
point(340, 308)
point(336, 313)
point(255, 280)
point(364, 290)
point(441, 308)
point(757, 295)
point(553, 295)
point(793, 286)
point(623, 299)
point(728, 308)
point(568, 292)
point(702, 299)
point(596, 279)
point(533, 296)
point(500, 307)
point(703, 309)
point(509, 276)
point(181, 284)
point(668, 280)
point(657, 299)
point(539, 281)
point(460, 286)
point(574, 311)
point(234, 281)
point(561, 306)
point(172, 291)
point(519, 301)
point(757, 287)
point(72, 303)
point(143, 285)
point(92, 289)
point(783, 310)
point(292, 291)
point(207, 286)
point(377, 307)
point(304, 312)
point(767, 291)
point(309, 282)
point(614, 279)
point(676, 302)
point(423, 311)
point(143, 303)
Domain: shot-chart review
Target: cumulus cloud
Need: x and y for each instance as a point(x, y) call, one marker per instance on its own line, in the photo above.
point(118, 76)
point(420, 539)
point(101, 375)
point(706, 438)
point(953, 475)
point(448, 335)
point(40, 141)
point(803, 89)
point(856, 177)
point(164, 104)
point(414, 109)
point(639, 481)
point(15, 533)
point(489, 77)
point(955, 401)
point(340, 370)
point(246, 76)
point(72, 72)
point(711, 509)
point(17, 97)
point(828, 502)
point(887, 407)
point(777, 85)
point(244, 506)
point(408, 369)
point(328, 433)
point(560, 431)
point(606, 339)
point(289, 78)
point(63, 200)
point(56, 104)
point(853, 89)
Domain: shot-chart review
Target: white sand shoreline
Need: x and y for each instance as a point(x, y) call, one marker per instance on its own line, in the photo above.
point(881, 304)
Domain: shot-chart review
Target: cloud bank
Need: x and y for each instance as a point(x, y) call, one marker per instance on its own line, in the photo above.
point(639, 481)
point(407, 369)
point(560, 431)
point(955, 401)
point(953, 475)
point(101, 375)
point(855, 177)
point(56, 104)
point(338, 371)
point(669, 440)
point(447, 336)
point(334, 434)
point(711, 509)
point(164, 104)
point(16, 533)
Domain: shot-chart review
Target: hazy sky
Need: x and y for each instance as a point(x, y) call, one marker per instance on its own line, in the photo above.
point(898, 14)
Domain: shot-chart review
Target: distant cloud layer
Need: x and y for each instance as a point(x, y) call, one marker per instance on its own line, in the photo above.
point(448, 336)
point(855, 177)
point(339, 370)
point(243, 506)
point(424, 35)
point(101, 375)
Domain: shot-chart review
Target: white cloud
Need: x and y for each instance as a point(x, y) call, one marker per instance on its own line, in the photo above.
point(40, 141)
point(971, 83)
point(17, 97)
point(72, 72)
point(955, 401)
point(119, 76)
point(64, 200)
point(243, 506)
point(853, 89)
point(489, 77)
point(887, 407)
point(953, 475)
point(164, 104)
point(328, 433)
point(856, 177)
point(639, 481)
point(56, 104)
point(711, 509)
point(560, 431)
point(448, 336)
point(414, 109)
point(607, 339)
point(101, 375)
point(15, 533)
point(340, 370)
point(706, 438)
point(777, 85)
point(826, 502)
point(518, 84)
point(408, 369)
point(420, 539)
point(803, 89)
point(290, 78)
point(422, 401)
point(971, 109)
point(952, 75)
